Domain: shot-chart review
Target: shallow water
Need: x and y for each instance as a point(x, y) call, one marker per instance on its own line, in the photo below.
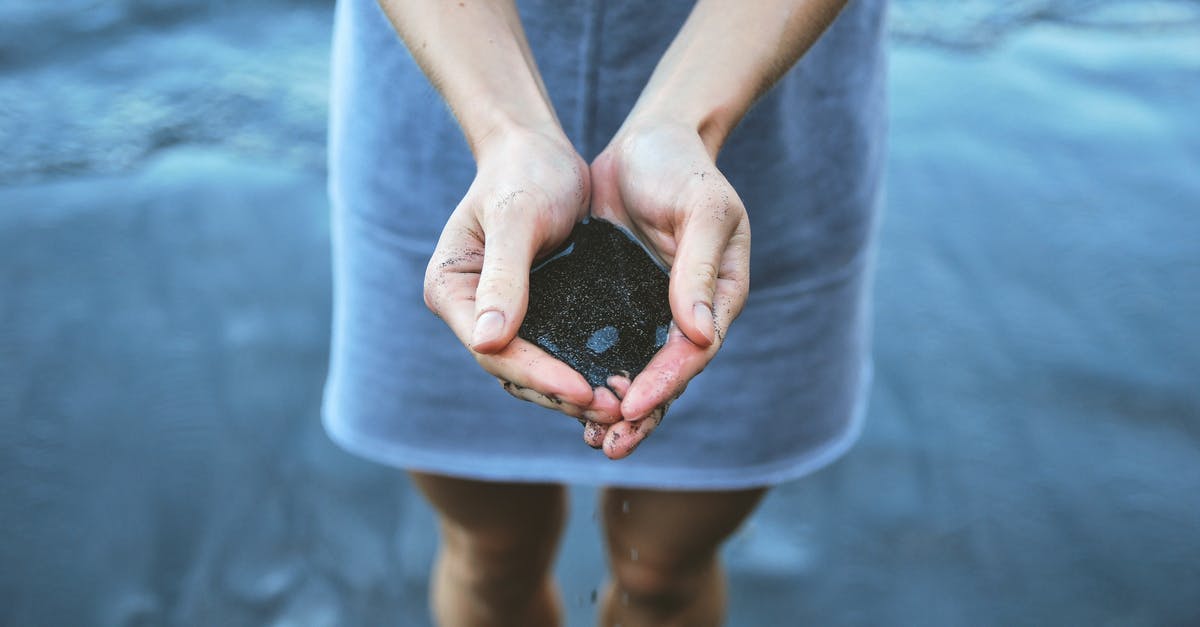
point(1033, 446)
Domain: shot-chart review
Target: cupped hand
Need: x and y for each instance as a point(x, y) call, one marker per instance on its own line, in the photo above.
point(530, 189)
point(661, 182)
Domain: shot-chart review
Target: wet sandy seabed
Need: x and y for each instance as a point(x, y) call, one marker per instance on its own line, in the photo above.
point(1032, 453)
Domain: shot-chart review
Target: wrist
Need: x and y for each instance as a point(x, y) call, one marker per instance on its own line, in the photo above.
point(673, 127)
point(488, 123)
point(503, 135)
point(712, 121)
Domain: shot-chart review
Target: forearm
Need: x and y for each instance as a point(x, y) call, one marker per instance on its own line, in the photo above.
point(476, 55)
point(728, 54)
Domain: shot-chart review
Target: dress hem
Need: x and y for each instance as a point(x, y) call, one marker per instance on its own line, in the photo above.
point(504, 469)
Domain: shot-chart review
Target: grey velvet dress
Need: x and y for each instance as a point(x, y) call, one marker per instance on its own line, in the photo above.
point(787, 392)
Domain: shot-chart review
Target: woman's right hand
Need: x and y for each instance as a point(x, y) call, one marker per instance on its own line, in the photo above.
point(530, 189)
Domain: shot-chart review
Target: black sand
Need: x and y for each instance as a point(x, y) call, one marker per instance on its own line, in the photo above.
point(599, 303)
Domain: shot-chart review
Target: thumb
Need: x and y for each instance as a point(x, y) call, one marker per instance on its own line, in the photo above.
point(502, 295)
point(694, 275)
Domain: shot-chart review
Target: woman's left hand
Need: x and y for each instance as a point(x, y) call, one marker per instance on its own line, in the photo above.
point(660, 182)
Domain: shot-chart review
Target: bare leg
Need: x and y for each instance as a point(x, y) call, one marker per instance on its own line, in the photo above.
point(497, 546)
point(662, 549)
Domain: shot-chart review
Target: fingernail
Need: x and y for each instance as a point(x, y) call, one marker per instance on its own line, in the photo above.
point(488, 327)
point(704, 320)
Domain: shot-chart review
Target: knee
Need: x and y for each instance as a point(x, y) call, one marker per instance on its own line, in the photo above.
point(662, 581)
point(494, 579)
point(500, 559)
point(498, 556)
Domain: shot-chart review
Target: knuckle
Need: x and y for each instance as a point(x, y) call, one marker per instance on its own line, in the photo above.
point(506, 202)
point(432, 295)
point(516, 203)
point(494, 287)
point(705, 273)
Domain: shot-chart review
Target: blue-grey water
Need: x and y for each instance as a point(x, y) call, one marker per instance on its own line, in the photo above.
point(1032, 452)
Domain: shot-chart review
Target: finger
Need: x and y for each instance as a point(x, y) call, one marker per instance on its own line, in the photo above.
point(453, 271)
point(668, 373)
point(624, 437)
point(528, 366)
point(619, 384)
point(451, 282)
point(594, 433)
point(605, 407)
point(503, 291)
point(733, 282)
point(703, 242)
point(520, 361)
point(666, 376)
point(533, 396)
